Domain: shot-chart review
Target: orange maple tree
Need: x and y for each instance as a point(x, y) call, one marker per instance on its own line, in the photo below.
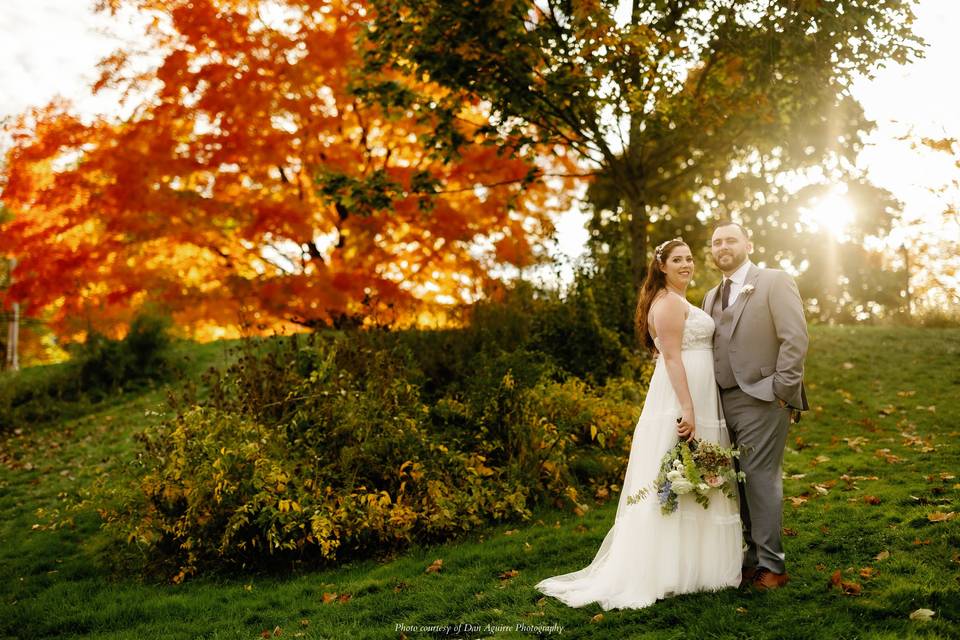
point(253, 184)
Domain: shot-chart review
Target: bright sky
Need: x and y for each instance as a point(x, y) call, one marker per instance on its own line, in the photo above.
point(51, 47)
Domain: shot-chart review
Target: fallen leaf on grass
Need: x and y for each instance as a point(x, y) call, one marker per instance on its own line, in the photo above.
point(542, 602)
point(741, 610)
point(939, 516)
point(790, 533)
point(435, 566)
point(886, 455)
point(848, 479)
point(922, 615)
point(871, 500)
point(856, 443)
point(510, 532)
point(819, 460)
point(883, 555)
point(335, 597)
point(925, 445)
point(511, 573)
point(849, 588)
point(868, 572)
point(796, 501)
point(597, 618)
point(848, 365)
point(581, 528)
point(918, 541)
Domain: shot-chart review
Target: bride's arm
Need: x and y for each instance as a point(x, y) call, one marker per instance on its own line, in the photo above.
point(669, 316)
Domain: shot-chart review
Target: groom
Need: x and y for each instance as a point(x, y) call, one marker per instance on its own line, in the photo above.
point(759, 345)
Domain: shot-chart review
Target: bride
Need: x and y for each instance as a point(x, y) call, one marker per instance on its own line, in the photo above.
point(647, 555)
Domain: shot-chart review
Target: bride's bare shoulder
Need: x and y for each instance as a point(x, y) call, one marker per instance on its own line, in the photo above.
point(668, 302)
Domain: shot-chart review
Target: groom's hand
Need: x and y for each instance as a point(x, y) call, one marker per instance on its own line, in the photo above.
point(781, 403)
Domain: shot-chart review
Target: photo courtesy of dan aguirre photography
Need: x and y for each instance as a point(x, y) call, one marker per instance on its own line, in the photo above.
point(509, 319)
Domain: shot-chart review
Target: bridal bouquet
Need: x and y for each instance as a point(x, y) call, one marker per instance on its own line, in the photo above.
point(693, 467)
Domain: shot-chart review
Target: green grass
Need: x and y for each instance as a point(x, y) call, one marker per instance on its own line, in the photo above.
point(872, 390)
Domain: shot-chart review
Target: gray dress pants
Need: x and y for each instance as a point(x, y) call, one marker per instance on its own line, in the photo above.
point(759, 429)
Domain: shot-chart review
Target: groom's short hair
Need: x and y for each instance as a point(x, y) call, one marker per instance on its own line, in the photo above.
point(731, 223)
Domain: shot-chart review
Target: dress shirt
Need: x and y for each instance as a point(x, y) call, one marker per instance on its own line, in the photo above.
point(736, 280)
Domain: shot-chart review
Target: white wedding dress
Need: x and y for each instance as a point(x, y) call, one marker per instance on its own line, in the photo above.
point(647, 555)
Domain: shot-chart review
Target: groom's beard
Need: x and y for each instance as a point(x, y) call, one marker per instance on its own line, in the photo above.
point(734, 260)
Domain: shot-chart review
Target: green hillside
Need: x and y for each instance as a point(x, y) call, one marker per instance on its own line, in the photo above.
point(872, 492)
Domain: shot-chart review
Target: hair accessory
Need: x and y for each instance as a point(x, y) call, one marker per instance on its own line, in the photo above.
point(660, 247)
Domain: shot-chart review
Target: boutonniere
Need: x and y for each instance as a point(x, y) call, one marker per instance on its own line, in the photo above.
point(747, 288)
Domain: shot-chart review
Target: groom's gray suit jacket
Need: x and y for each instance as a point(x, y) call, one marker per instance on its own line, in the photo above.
point(761, 339)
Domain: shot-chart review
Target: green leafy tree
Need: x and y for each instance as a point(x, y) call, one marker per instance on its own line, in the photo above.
point(679, 107)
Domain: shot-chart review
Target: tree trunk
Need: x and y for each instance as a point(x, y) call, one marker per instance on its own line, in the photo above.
point(13, 336)
point(634, 203)
point(636, 209)
point(906, 283)
point(12, 360)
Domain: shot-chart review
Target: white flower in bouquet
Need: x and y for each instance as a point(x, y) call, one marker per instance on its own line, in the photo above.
point(681, 486)
point(710, 464)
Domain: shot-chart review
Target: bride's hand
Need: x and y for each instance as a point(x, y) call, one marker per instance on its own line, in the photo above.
point(686, 426)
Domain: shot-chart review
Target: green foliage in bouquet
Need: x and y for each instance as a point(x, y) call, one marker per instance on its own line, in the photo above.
point(693, 467)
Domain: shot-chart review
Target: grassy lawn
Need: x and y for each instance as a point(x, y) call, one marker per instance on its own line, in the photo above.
point(872, 486)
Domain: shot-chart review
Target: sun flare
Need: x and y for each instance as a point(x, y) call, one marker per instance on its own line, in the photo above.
point(832, 213)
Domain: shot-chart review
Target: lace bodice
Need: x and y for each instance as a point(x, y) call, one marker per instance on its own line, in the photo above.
point(697, 331)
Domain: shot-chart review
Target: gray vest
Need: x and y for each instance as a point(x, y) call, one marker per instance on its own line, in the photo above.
point(721, 344)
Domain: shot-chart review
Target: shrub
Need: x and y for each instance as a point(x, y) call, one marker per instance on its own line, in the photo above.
point(937, 317)
point(99, 367)
point(323, 448)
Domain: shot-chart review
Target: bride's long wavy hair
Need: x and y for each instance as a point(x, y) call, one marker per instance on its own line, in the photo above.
point(655, 281)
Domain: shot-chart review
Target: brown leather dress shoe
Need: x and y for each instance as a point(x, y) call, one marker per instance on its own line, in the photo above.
point(746, 576)
point(765, 580)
